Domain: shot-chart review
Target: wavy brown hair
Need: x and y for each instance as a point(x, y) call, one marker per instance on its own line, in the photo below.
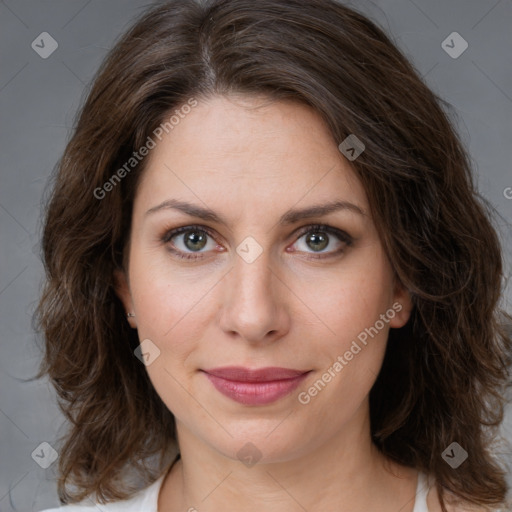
point(445, 374)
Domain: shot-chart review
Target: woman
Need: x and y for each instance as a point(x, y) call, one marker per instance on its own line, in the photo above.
point(271, 282)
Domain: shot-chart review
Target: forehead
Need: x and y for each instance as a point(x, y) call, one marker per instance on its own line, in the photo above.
point(249, 149)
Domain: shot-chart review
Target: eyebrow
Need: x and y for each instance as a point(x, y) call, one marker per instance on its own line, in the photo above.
point(290, 217)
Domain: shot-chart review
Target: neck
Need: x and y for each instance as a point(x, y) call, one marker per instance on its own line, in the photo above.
point(335, 474)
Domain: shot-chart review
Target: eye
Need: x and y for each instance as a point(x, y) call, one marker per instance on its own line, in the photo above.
point(193, 239)
point(190, 238)
point(319, 237)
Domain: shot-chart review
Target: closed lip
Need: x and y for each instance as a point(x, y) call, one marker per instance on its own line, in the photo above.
point(241, 374)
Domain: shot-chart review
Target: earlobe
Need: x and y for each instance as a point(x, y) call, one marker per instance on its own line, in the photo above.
point(122, 290)
point(402, 305)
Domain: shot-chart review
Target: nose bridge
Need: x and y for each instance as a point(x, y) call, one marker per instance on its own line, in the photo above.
point(252, 273)
point(250, 306)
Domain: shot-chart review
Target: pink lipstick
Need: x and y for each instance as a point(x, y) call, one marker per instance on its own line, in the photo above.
point(255, 387)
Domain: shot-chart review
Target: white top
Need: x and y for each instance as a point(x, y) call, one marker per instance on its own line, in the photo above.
point(422, 488)
point(146, 500)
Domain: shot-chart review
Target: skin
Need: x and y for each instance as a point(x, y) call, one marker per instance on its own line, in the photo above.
point(250, 161)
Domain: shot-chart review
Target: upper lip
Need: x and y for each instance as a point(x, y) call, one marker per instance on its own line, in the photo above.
point(241, 374)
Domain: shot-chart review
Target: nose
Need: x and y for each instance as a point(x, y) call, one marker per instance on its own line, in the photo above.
point(255, 305)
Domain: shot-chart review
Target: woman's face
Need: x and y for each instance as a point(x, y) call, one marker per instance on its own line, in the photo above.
point(262, 288)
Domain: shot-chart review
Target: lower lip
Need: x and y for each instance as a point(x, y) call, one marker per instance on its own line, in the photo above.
point(255, 393)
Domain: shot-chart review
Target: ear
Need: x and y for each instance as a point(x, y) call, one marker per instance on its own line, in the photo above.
point(122, 289)
point(402, 305)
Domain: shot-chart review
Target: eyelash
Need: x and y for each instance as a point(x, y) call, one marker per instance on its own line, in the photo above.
point(341, 235)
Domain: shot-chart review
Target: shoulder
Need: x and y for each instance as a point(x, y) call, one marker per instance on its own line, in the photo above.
point(434, 505)
point(109, 507)
point(69, 508)
point(117, 506)
point(146, 499)
point(78, 508)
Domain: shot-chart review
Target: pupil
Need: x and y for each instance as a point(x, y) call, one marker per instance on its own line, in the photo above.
point(318, 239)
point(195, 238)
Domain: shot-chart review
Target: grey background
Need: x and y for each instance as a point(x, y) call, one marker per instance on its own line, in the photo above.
point(38, 101)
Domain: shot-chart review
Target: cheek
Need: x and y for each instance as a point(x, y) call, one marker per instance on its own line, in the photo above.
point(351, 299)
point(354, 338)
point(170, 313)
point(174, 305)
point(361, 336)
point(351, 358)
point(163, 306)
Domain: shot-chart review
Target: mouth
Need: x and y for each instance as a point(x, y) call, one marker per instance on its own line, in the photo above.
point(255, 387)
